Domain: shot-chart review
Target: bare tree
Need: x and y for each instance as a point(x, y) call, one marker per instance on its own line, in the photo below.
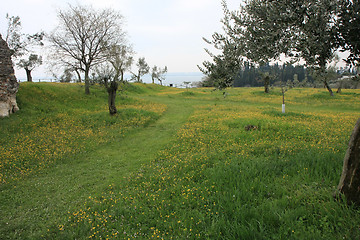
point(85, 35)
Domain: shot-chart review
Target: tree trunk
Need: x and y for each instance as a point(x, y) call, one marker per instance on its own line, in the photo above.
point(122, 76)
point(87, 82)
point(266, 84)
point(106, 83)
point(283, 94)
point(349, 184)
point(328, 88)
point(28, 75)
point(78, 74)
point(112, 95)
point(339, 90)
point(138, 77)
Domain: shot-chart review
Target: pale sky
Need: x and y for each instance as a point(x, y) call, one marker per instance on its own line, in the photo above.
point(165, 32)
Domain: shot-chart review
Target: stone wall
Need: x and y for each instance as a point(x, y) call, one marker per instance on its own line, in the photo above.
point(8, 83)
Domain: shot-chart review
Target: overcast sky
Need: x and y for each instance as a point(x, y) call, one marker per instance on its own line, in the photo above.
point(165, 32)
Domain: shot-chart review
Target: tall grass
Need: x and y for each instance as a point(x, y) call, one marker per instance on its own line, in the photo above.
point(57, 120)
point(219, 181)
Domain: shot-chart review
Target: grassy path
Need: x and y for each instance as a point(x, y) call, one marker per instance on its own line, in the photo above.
point(142, 146)
point(44, 199)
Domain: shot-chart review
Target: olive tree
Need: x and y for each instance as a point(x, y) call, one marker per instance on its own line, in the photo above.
point(265, 36)
point(29, 64)
point(111, 73)
point(350, 177)
point(13, 36)
point(228, 59)
point(158, 73)
point(84, 35)
point(22, 46)
point(317, 44)
point(264, 30)
point(249, 34)
point(349, 28)
point(142, 69)
point(304, 30)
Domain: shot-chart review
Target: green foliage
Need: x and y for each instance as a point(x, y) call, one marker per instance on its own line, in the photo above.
point(188, 93)
point(262, 30)
point(158, 74)
point(132, 88)
point(348, 24)
point(143, 68)
point(250, 75)
point(223, 68)
point(30, 63)
point(14, 36)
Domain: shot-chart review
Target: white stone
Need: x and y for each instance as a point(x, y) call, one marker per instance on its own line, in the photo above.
point(4, 109)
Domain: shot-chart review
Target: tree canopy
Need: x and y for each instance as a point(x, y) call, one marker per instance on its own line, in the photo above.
point(84, 36)
point(29, 64)
point(142, 69)
point(349, 28)
point(22, 45)
point(262, 31)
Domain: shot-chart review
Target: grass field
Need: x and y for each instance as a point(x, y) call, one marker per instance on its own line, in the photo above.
point(176, 164)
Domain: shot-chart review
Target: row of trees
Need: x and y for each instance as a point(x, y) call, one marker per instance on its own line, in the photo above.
point(250, 75)
point(85, 41)
point(263, 31)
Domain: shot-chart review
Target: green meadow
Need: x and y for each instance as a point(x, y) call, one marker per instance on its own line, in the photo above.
point(175, 164)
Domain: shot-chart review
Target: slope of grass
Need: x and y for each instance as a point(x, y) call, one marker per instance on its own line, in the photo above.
point(57, 120)
point(48, 162)
point(201, 178)
point(219, 181)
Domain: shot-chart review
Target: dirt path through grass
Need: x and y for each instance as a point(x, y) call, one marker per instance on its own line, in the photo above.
point(30, 206)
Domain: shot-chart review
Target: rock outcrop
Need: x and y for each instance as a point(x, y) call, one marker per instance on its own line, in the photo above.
point(8, 83)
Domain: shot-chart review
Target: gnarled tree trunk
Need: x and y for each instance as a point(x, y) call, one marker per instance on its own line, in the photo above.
point(350, 179)
point(28, 75)
point(112, 95)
